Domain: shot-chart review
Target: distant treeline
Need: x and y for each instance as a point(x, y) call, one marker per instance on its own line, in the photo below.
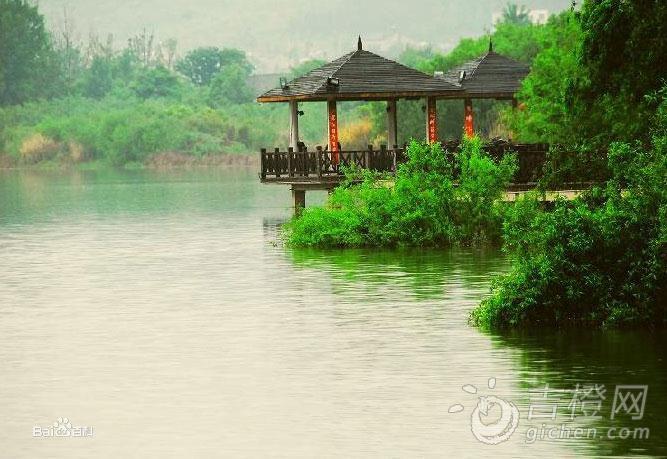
point(63, 100)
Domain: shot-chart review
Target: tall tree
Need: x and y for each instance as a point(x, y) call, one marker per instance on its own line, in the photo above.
point(156, 82)
point(201, 65)
point(544, 114)
point(624, 62)
point(67, 47)
point(230, 86)
point(625, 45)
point(28, 68)
point(98, 80)
point(515, 14)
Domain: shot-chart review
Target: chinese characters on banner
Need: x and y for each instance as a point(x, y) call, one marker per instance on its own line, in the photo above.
point(432, 133)
point(333, 131)
point(468, 124)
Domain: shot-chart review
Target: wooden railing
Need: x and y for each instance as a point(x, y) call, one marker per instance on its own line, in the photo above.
point(323, 165)
point(320, 164)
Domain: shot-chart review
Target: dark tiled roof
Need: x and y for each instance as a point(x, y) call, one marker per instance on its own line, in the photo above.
point(492, 75)
point(362, 75)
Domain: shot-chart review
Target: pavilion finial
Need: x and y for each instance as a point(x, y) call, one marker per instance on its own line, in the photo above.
point(360, 46)
point(490, 45)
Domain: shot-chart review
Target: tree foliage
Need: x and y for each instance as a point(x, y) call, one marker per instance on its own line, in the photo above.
point(599, 260)
point(201, 65)
point(157, 82)
point(592, 82)
point(28, 69)
point(624, 47)
point(99, 78)
point(544, 114)
point(516, 14)
point(230, 86)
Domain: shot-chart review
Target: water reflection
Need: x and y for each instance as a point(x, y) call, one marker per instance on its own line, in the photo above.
point(566, 359)
point(381, 274)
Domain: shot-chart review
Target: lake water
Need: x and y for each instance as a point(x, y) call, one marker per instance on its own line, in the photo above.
point(159, 309)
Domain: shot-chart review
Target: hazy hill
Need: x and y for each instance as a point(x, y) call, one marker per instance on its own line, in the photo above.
point(280, 33)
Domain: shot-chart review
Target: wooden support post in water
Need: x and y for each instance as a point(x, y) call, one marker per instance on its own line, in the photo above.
point(262, 161)
point(431, 120)
point(468, 124)
point(392, 122)
point(294, 124)
point(333, 131)
point(299, 197)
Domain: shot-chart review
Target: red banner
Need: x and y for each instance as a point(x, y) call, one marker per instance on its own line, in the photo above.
point(468, 123)
point(333, 131)
point(432, 127)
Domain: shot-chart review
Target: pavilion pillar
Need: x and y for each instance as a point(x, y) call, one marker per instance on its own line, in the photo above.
point(468, 124)
point(294, 124)
point(392, 124)
point(431, 120)
point(333, 130)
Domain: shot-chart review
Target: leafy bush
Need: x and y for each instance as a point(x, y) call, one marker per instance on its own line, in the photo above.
point(599, 260)
point(436, 199)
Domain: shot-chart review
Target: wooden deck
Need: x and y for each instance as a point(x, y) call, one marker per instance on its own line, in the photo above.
point(321, 169)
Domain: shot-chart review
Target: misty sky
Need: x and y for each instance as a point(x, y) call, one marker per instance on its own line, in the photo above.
point(279, 33)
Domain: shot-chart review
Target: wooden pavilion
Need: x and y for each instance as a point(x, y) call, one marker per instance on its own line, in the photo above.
point(491, 76)
point(363, 76)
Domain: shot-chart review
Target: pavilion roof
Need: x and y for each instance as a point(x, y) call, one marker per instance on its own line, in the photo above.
point(362, 75)
point(489, 76)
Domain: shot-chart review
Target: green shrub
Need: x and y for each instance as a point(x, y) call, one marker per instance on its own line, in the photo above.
point(436, 199)
point(599, 260)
